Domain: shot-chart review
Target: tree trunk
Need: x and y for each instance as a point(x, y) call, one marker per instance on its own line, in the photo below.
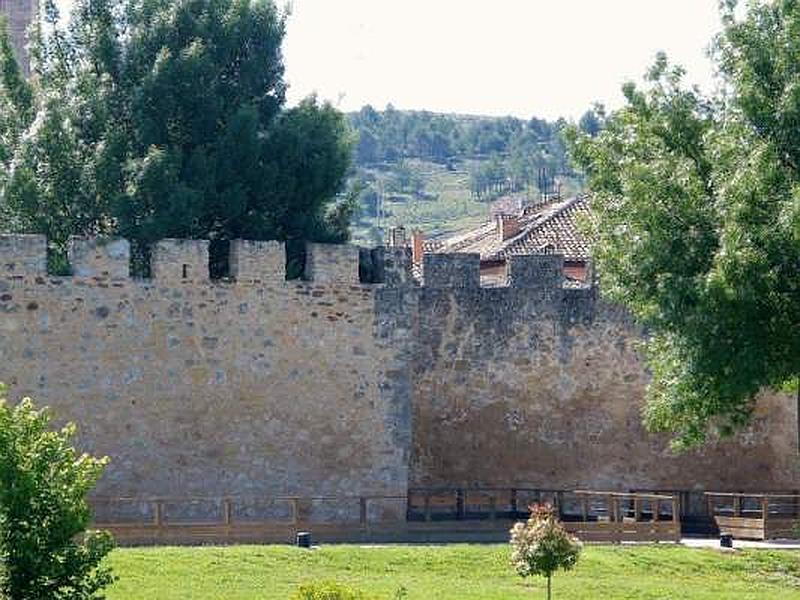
point(548, 587)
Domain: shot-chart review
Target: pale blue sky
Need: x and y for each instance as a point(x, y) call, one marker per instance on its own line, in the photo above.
point(522, 57)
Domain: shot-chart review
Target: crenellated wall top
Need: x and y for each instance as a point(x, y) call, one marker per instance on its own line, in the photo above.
point(264, 263)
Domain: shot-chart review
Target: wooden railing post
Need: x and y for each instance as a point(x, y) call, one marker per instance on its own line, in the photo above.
point(460, 497)
point(295, 510)
point(514, 503)
point(159, 514)
point(637, 509)
point(227, 511)
point(737, 506)
point(427, 506)
point(492, 507)
point(655, 507)
point(617, 519)
point(362, 511)
point(159, 519)
point(585, 508)
point(765, 508)
point(675, 510)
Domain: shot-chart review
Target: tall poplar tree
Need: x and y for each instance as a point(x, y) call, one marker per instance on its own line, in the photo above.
point(157, 119)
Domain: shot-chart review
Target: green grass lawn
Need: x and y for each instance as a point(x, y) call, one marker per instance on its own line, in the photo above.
point(452, 572)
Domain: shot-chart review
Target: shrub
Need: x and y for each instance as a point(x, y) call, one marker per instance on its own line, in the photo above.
point(327, 591)
point(542, 546)
point(45, 550)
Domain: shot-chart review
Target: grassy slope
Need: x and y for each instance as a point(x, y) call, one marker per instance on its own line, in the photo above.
point(450, 207)
point(452, 572)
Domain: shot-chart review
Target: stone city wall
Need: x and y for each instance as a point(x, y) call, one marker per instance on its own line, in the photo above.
point(540, 385)
point(256, 387)
point(262, 387)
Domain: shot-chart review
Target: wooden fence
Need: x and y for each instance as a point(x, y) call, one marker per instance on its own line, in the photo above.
point(592, 516)
point(756, 516)
point(423, 515)
point(231, 520)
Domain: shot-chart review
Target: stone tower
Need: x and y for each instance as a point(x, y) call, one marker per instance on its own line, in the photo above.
point(20, 14)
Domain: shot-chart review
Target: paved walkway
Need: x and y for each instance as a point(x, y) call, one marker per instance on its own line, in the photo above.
point(714, 543)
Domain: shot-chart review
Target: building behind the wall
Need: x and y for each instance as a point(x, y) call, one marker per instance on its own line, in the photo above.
point(261, 387)
point(518, 229)
point(20, 14)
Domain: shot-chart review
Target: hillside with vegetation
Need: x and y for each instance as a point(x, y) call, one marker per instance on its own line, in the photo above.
point(440, 172)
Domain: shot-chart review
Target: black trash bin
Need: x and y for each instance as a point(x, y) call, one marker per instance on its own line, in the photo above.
point(304, 539)
point(726, 540)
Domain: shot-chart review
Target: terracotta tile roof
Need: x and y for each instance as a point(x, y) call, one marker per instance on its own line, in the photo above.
point(548, 228)
point(557, 230)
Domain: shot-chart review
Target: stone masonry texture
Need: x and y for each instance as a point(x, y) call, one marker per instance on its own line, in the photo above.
point(258, 386)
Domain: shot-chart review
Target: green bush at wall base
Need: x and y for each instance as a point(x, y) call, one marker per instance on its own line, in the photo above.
point(327, 591)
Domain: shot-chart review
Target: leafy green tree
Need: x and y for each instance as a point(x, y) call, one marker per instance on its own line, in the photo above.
point(157, 119)
point(367, 149)
point(65, 175)
point(16, 107)
point(591, 122)
point(697, 222)
point(541, 546)
point(392, 135)
point(45, 550)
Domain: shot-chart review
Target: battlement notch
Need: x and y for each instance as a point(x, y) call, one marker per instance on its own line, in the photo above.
point(23, 254)
point(331, 263)
point(180, 260)
point(451, 270)
point(99, 258)
point(257, 261)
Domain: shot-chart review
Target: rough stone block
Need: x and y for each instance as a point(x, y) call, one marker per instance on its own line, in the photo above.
point(395, 266)
point(99, 258)
point(451, 270)
point(22, 254)
point(536, 271)
point(332, 263)
point(180, 260)
point(257, 261)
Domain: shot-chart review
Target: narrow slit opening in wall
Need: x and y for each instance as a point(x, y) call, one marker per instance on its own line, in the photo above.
point(57, 261)
point(370, 265)
point(219, 259)
point(295, 259)
point(185, 271)
point(141, 257)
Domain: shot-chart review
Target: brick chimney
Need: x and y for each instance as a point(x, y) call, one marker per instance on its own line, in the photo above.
point(507, 226)
point(417, 237)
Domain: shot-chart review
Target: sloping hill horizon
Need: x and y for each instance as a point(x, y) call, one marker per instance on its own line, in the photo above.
point(440, 172)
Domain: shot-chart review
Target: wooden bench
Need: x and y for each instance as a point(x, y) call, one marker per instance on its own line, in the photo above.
point(756, 516)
